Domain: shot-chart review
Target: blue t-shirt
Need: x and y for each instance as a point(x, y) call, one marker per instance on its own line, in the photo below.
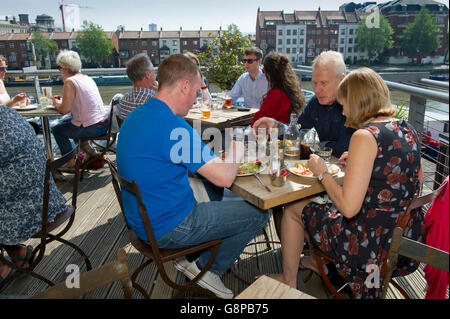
point(329, 124)
point(156, 149)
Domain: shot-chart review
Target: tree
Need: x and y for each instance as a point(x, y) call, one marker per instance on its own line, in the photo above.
point(92, 43)
point(375, 39)
point(43, 47)
point(222, 57)
point(420, 37)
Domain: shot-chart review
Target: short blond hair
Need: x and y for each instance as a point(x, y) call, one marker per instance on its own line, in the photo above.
point(3, 59)
point(70, 60)
point(366, 95)
point(332, 59)
point(192, 56)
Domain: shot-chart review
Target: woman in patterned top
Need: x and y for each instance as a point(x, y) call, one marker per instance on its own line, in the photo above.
point(383, 174)
point(22, 170)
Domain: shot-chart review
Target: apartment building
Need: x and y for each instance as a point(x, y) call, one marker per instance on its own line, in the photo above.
point(402, 12)
point(302, 35)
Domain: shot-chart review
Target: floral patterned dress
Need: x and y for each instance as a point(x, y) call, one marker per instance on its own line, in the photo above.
point(360, 245)
point(22, 170)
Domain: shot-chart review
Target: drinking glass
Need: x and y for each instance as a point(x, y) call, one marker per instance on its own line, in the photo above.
point(307, 139)
point(43, 101)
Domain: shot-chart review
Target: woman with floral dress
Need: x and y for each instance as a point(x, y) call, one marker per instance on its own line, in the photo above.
point(22, 170)
point(382, 176)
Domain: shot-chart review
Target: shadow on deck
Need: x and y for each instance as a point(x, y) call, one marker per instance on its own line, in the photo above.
point(99, 230)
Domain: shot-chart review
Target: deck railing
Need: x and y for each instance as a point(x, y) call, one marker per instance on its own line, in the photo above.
point(425, 117)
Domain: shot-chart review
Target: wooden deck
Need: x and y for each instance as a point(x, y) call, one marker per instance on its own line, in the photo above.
point(99, 230)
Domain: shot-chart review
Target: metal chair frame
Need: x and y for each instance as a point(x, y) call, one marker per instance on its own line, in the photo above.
point(45, 234)
point(110, 138)
point(151, 250)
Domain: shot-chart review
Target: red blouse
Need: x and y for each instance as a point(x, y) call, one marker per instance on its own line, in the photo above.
point(276, 105)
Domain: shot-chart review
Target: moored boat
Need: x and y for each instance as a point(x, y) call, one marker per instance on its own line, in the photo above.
point(111, 79)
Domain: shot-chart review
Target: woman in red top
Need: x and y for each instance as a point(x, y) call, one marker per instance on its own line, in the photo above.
point(285, 95)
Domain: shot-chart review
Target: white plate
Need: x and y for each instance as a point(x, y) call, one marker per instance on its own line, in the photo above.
point(25, 108)
point(261, 168)
point(50, 107)
point(331, 168)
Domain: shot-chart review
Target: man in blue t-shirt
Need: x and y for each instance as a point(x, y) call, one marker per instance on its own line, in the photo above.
point(323, 112)
point(157, 148)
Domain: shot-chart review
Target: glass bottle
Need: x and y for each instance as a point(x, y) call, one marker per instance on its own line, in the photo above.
point(292, 139)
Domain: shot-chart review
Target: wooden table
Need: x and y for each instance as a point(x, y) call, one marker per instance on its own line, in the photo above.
point(44, 114)
point(221, 119)
point(267, 288)
point(295, 188)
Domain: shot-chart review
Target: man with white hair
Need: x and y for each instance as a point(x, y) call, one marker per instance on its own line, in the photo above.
point(323, 112)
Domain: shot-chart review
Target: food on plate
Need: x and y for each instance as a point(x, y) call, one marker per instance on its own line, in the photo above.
point(303, 169)
point(249, 167)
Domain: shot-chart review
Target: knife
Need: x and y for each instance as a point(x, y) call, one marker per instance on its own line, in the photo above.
point(262, 183)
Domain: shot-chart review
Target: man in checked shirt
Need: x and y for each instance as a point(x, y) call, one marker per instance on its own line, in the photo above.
point(141, 73)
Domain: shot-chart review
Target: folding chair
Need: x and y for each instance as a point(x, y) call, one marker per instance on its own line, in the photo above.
point(91, 280)
point(45, 235)
point(109, 137)
point(151, 249)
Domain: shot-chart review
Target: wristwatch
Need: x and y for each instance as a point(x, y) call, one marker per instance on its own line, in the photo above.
point(322, 175)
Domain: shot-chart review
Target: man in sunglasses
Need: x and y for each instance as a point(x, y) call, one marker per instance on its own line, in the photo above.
point(252, 85)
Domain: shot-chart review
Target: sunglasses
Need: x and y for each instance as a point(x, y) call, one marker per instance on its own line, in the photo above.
point(249, 61)
point(3, 68)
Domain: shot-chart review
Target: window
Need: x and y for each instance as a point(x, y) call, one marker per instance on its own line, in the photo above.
point(349, 50)
point(342, 40)
point(24, 55)
point(318, 32)
point(185, 42)
point(144, 43)
point(288, 41)
point(325, 41)
point(280, 32)
point(280, 42)
point(288, 32)
point(294, 50)
point(302, 32)
point(294, 41)
point(22, 44)
point(350, 31)
point(133, 52)
point(280, 50)
point(154, 43)
point(195, 42)
point(294, 32)
point(175, 42)
point(350, 40)
point(133, 43)
point(342, 31)
point(301, 41)
point(164, 42)
point(2, 45)
point(318, 41)
point(11, 45)
point(154, 53)
point(288, 50)
point(300, 50)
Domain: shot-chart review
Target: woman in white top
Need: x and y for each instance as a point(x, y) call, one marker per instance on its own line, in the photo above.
point(4, 96)
point(82, 99)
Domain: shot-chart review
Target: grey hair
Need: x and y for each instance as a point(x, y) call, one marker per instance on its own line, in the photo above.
point(137, 66)
point(69, 60)
point(330, 58)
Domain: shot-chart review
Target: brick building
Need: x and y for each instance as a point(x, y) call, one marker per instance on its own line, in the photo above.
point(402, 12)
point(302, 35)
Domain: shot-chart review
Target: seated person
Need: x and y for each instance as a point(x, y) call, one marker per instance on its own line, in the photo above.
point(141, 73)
point(4, 96)
point(383, 175)
point(252, 85)
point(89, 117)
point(155, 150)
point(22, 173)
point(285, 96)
point(204, 88)
point(323, 112)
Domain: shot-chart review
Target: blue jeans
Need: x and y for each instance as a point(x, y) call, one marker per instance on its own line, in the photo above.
point(64, 130)
point(235, 222)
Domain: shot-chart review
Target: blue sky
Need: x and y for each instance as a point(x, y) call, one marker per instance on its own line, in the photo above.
point(169, 14)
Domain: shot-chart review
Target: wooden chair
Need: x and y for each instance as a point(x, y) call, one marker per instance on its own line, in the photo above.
point(45, 235)
point(109, 137)
point(91, 280)
point(412, 249)
point(386, 272)
point(151, 249)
